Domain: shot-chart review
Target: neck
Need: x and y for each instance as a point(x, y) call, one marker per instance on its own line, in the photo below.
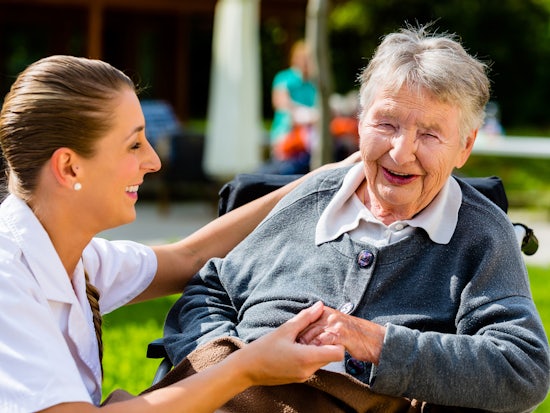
point(384, 214)
point(65, 230)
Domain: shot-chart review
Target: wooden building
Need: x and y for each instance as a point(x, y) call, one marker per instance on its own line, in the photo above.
point(163, 44)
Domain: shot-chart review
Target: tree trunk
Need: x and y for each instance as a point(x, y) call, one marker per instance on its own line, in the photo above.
point(317, 38)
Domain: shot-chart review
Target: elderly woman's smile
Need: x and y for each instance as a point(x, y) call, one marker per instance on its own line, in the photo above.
point(410, 144)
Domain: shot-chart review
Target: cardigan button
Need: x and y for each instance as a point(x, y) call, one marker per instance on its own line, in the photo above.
point(355, 367)
point(346, 308)
point(365, 258)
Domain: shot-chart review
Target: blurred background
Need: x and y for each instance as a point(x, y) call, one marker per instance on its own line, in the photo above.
point(206, 69)
point(206, 66)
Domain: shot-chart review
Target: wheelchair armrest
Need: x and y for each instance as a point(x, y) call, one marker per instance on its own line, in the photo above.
point(156, 350)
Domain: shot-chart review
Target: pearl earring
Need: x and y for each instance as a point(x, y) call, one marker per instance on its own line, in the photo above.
point(77, 186)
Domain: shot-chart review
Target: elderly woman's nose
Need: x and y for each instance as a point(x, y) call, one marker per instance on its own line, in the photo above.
point(403, 149)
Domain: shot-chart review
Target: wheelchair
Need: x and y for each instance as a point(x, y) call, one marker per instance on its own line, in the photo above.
point(247, 187)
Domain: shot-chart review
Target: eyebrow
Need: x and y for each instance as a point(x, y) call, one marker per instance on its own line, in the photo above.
point(135, 130)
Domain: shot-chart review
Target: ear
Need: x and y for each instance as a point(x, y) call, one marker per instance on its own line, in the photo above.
point(64, 167)
point(467, 149)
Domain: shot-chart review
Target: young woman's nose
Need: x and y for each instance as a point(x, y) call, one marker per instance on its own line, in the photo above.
point(404, 146)
point(152, 161)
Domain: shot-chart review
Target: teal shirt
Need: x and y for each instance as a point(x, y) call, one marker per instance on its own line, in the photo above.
point(301, 91)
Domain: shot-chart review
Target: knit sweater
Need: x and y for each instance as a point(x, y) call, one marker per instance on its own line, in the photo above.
point(462, 328)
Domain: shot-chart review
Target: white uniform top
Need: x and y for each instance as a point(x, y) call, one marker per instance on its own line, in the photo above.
point(48, 347)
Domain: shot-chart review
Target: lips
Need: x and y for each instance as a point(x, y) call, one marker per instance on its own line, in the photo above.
point(398, 178)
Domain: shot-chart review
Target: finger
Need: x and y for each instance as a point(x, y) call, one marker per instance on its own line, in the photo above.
point(304, 318)
point(327, 338)
point(308, 335)
point(324, 354)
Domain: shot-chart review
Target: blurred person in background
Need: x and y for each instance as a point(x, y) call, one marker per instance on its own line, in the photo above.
point(294, 99)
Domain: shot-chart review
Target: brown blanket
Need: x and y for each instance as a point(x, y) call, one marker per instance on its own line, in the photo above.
point(324, 392)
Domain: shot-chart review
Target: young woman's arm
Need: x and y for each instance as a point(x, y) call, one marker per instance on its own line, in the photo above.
point(179, 261)
point(275, 358)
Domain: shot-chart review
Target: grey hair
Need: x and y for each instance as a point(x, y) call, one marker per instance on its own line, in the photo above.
point(432, 63)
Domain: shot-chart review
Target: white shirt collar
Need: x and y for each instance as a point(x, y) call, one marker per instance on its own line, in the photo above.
point(345, 211)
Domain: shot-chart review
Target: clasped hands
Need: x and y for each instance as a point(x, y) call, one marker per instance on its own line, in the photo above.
point(361, 338)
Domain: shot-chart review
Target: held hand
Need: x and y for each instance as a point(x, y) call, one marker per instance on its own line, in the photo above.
point(363, 339)
point(277, 358)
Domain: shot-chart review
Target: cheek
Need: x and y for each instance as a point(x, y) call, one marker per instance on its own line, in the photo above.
point(128, 166)
point(371, 145)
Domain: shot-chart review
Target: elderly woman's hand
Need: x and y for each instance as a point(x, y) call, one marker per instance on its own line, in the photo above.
point(362, 339)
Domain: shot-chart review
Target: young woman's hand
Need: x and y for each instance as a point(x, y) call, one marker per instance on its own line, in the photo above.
point(277, 357)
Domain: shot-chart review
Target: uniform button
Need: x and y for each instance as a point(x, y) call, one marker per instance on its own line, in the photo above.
point(355, 367)
point(346, 308)
point(399, 227)
point(365, 259)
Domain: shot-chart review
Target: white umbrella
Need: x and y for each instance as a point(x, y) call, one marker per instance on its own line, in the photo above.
point(233, 132)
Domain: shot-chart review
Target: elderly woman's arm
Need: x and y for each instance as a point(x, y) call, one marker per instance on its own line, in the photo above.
point(497, 360)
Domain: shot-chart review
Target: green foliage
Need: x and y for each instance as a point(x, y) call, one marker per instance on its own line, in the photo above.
point(513, 36)
point(541, 294)
point(525, 179)
point(126, 334)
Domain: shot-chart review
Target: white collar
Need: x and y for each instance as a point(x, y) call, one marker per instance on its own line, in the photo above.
point(38, 250)
point(343, 213)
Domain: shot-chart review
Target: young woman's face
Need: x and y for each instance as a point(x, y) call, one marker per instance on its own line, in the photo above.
point(113, 175)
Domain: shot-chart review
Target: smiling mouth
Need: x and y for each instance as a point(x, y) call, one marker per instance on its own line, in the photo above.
point(398, 174)
point(397, 177)
point(132, 188)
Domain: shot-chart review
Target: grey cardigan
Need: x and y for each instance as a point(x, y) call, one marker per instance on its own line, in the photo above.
point(462, 328)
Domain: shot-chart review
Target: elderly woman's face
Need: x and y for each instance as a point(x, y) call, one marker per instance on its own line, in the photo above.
point(409, 144)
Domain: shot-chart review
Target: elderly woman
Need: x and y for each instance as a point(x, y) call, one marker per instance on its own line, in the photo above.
point(422, 277)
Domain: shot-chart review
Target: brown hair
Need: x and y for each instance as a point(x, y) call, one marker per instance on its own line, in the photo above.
point(58, 101)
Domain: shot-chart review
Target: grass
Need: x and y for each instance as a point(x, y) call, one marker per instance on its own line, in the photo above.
point(128, 330)
point(526, 180)
point(126, 334)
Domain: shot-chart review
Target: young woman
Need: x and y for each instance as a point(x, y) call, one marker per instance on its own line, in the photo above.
point(75, 154)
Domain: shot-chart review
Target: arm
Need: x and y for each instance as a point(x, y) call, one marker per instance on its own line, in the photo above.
point(273, 359)
point(281, 99)
point(496, 359)
point(179, 261)
point(203, 312)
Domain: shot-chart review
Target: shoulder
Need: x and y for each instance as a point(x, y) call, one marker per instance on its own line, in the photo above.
point(486, 230)
point(121, 270)
point(316, 191)
point(479, 207)
point(285, 76)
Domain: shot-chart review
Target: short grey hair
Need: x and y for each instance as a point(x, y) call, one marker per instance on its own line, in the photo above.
point(428, 62)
